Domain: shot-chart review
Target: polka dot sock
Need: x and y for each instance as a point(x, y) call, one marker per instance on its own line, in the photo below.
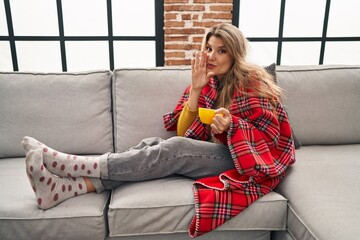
point(50, 190)
point(62, 164)
point(29, 143)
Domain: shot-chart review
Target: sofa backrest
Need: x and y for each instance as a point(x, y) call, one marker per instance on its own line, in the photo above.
point(323, 102)
point(141, 97)
point(72, 111)
point(68, 111)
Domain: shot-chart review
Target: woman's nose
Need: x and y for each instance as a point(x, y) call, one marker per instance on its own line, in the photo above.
point(211, 55)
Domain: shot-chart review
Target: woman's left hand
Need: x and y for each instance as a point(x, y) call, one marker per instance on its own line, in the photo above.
point(221, 121)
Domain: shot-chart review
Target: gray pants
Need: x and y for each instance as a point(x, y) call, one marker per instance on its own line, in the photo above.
point(157, 158)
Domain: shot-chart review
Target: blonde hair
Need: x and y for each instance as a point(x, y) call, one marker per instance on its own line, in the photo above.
point(242, 76)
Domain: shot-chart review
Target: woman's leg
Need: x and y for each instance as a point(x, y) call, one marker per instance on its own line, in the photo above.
point(157, 158)
point(89, 185)
point(152, 158)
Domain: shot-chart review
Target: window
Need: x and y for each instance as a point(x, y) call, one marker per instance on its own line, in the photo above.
point(300, 32)
point(66, 35)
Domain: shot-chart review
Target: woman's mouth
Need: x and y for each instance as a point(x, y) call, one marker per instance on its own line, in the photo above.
point(210, 66)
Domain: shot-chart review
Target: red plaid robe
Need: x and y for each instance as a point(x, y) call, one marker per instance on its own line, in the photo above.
point(261, 147)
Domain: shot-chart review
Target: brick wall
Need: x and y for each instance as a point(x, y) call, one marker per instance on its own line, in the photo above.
point(186, 21)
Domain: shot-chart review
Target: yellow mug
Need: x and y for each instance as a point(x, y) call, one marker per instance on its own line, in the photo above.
point(206, 115)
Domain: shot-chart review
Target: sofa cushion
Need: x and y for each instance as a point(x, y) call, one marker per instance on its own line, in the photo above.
point(323, 193)
point(166, 206)
point(70, 112)
point(141, 98)
point(322, 102)
point(83, 217)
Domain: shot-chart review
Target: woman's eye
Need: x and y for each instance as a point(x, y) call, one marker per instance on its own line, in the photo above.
point(222, 51)
point(208, 49)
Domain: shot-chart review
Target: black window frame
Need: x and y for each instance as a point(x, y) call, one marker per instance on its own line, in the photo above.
point(280, 39)
point(110, 38)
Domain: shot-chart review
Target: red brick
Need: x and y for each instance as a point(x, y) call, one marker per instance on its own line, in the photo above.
point(222, 8)
point(175, 1)
point(197, 39)
point(173, 24)
point(181, 8)
point(186, 16)
point(183, 31)
point(174, 54)
point(206, 24)
point(196, 46)
point(175, 46)
point(182, 38)
point(213, 1)
point(170, 16)
point(217, 16)
point(177, 62)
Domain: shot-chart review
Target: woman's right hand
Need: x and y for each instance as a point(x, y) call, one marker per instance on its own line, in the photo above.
point(200, 76)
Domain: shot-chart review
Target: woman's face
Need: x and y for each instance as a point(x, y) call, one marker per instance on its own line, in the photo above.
point(219, 60)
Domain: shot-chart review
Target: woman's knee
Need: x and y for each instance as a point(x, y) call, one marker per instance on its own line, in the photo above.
point(147, 142)
point(179, 141)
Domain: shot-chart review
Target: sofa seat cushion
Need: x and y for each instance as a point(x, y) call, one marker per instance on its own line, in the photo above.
point(83, 217)
point(166, 206)
point(323, 192)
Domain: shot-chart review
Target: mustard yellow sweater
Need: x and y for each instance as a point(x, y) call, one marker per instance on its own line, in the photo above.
point(187, 117)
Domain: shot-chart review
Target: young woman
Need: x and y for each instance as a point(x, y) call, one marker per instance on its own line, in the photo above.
point(235, 160)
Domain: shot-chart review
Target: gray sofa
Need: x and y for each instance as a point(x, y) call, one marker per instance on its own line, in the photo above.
point(91, 113)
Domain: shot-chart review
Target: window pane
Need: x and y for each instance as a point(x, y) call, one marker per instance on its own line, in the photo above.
point(133, 18)
point(300, 53)
point(262, 53)
point(84, 56)
point(5, 57)
point(3, 24)
point(38, 56)
point(259, 18)
point(34, 18)
point(342, 53)
point(344, 19)
point(134, 54)
point(304, 18)
point(85, 18)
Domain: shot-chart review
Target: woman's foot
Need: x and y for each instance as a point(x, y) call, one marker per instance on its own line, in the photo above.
point(62, 164)
point(29, 143)
point(50, 190)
